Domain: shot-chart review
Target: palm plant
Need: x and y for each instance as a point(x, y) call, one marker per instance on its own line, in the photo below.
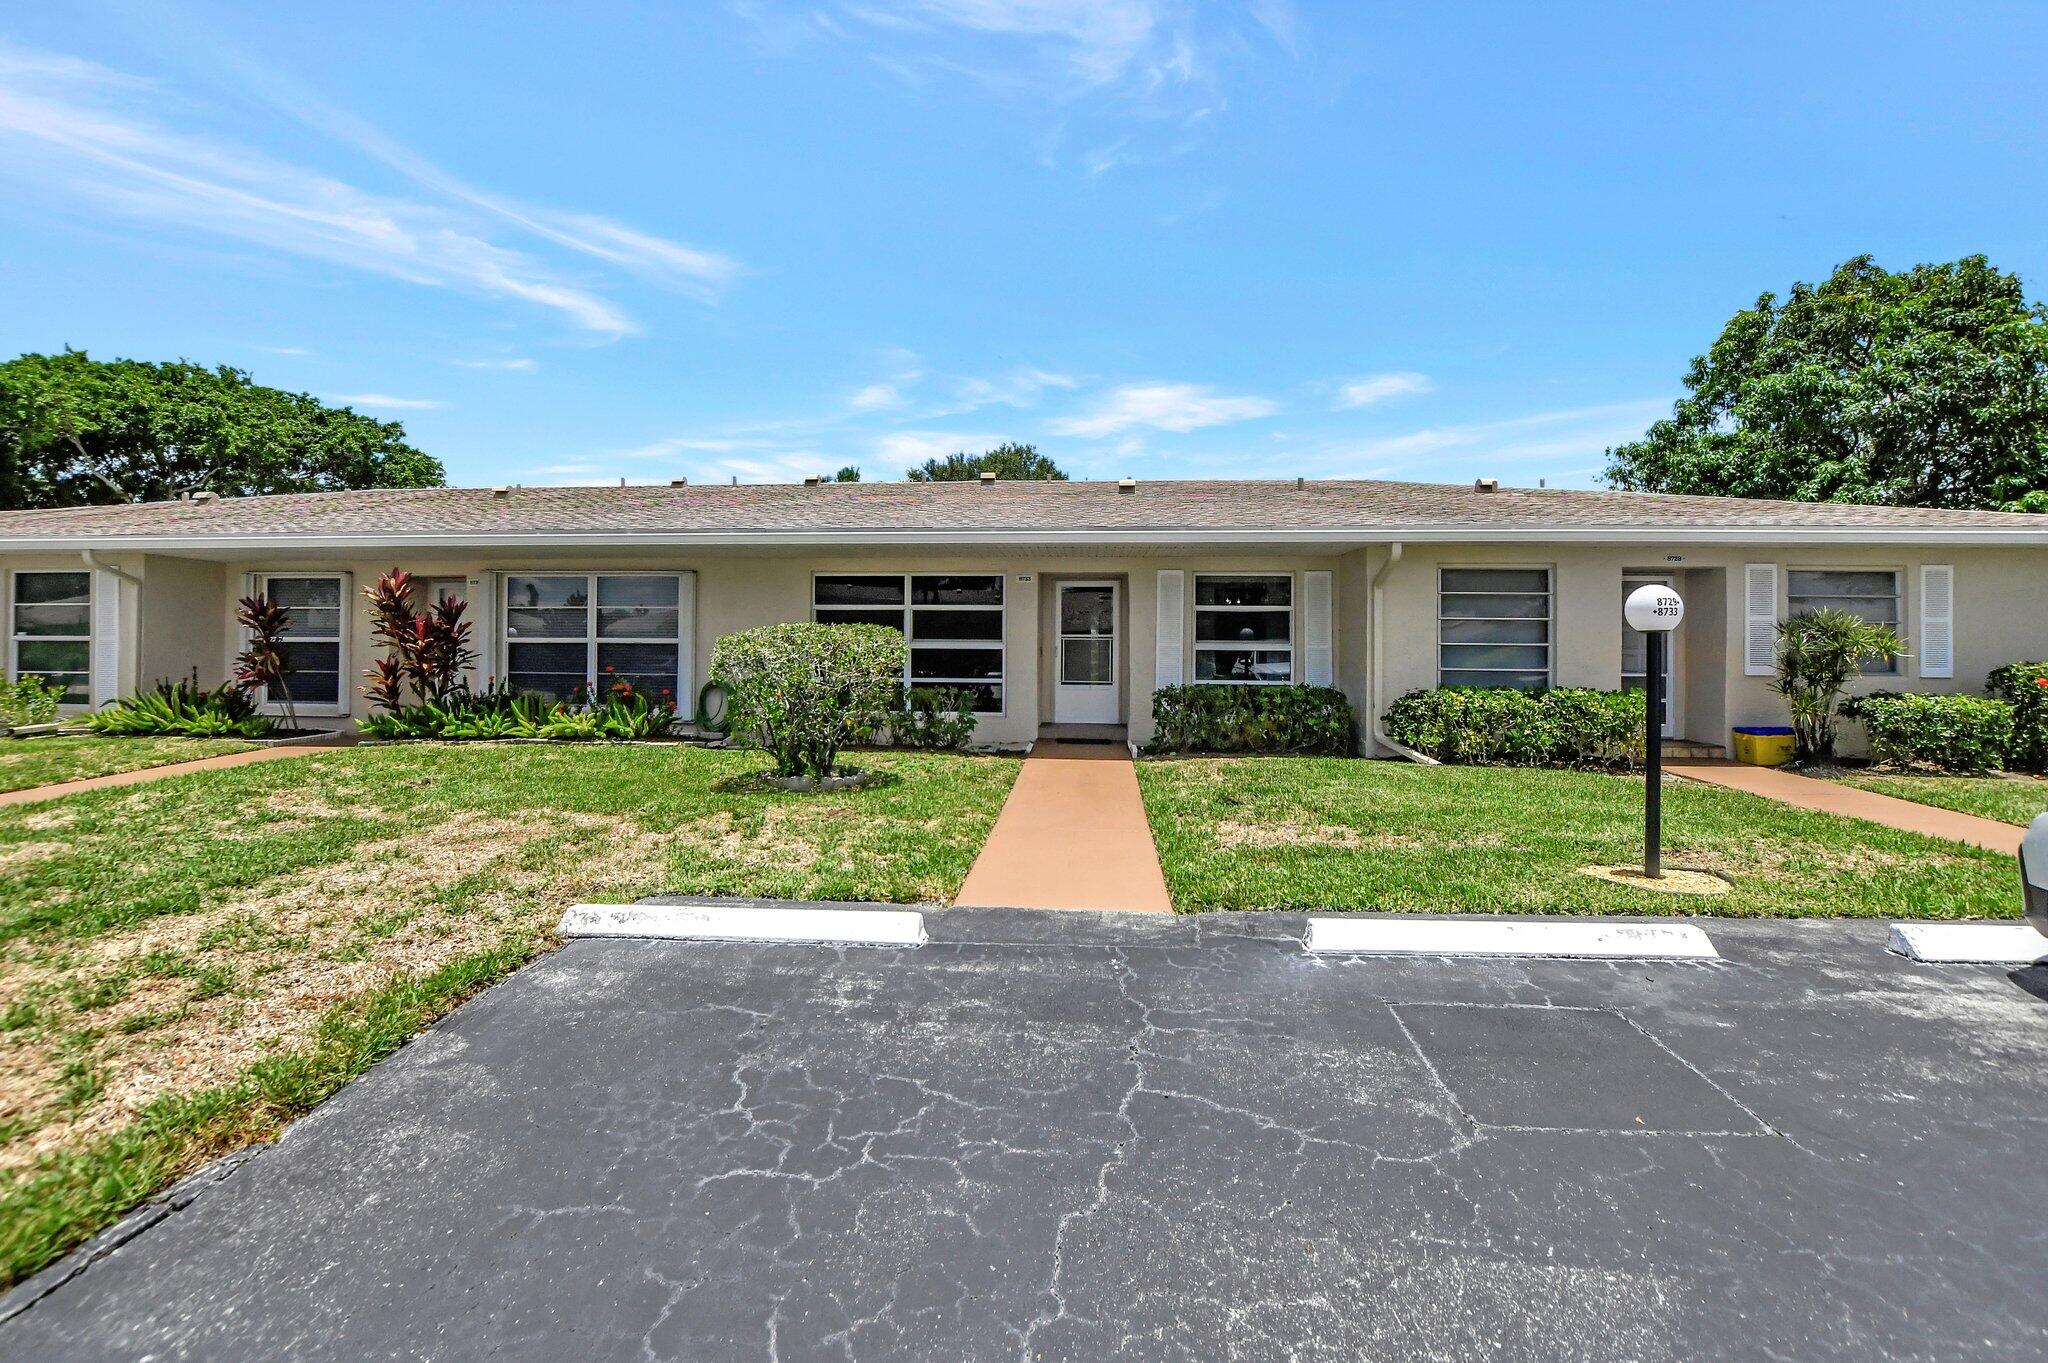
point(1818, 652)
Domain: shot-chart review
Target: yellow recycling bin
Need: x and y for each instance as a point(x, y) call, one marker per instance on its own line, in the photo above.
point(1763, 745)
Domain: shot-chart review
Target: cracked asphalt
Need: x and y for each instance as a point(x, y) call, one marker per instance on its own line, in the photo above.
point(1082, 1137)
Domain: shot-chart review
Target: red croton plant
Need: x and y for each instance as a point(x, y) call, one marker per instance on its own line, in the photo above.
point(261, 663)
point(429, 649)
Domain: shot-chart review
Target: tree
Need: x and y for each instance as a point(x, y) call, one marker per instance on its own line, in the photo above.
point(849, 474)
point(1008, 460)
point(75, 431)
point(1926, 388)
point(1818, 652)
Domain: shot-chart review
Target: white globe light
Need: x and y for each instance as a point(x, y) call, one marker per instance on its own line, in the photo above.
point(1654, 608)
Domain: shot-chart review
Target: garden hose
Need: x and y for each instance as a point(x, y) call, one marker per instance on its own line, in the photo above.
point(711, 717)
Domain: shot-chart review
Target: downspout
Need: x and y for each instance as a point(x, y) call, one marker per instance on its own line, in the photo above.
point(93, 562)
point(1374, 614)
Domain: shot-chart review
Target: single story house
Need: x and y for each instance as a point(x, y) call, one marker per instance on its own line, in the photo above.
point(1053, 602)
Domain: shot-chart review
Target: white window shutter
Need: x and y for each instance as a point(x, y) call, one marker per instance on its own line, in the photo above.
point(106, 637)
point(1760, 619)
point(1937, 641)
point(686, 645)
point(1318, 663)
point(1168, 662)
point(483, 629)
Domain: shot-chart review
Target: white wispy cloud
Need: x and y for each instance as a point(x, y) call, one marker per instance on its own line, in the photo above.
point(900, 450)
point(1017, 388)
point(80, 132)
point(1179, 407)
point(876, 397)
point(516, 365)
point(1371, 388)
point(383, 400)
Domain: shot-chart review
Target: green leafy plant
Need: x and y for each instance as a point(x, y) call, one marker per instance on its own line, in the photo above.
point(1953, 733)
point(2024, 686)
point(802, 692)
point(182, 709)
point(261, 662)
point(1566, 726)
point(623, 712)
point(1252, 719)
point(28, 700)
point(935, 717)
point(1818, 652)
point(429, 650)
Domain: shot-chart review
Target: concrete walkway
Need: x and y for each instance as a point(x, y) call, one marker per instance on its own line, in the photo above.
point(1832, 797)
point(35, 794)
point(1072, 835)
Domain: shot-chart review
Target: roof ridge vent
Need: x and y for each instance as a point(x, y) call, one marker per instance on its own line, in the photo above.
point(501, 491)
point(987, 477)
point(813, 479)
point(1486, 485)
point(1127, 485)
point(203, 495)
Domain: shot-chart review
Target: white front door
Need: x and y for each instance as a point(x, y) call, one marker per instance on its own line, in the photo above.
point(1635, 656)
point(1086, 689)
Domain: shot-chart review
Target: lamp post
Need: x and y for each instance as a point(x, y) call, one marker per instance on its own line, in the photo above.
point(1654, 611)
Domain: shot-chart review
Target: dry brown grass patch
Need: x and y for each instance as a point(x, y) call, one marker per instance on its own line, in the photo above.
point(315, 948)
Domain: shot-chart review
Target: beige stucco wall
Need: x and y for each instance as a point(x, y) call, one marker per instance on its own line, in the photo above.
point(1999, 617)
point(182, 618)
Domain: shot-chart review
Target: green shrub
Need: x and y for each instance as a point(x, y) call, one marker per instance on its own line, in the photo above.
point(802, 692)
point(28, 700)
point(2024, 686)
point(940, 717)
point(183, 710)
point(1818, 652)
point(1501, 726)
point(624, 713)
point(1954, 733)
point(1252, 719)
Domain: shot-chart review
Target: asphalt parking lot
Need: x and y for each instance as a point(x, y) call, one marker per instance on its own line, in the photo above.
point(1082, 1137)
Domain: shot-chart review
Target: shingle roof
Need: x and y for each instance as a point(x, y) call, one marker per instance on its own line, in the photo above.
point(864, 509)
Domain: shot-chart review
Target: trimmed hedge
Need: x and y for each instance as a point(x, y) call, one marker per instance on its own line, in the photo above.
point(1953, 733)
point(1501, 726)
point(1253, 719)
point(2024, 686)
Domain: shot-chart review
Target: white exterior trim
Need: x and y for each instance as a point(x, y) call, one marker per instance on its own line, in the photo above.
point(1318, 633)
point(1936, 637)
point(1169, 661)
point(1759, 619)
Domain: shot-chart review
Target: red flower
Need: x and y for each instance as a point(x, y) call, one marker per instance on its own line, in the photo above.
point(610, 668)
point(2041, 682)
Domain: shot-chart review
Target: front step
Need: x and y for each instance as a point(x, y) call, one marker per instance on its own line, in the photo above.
point(1686, 748)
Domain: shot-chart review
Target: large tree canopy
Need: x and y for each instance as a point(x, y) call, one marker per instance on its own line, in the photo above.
point(1926, 388)
point(75, 431)
point(1004, 461)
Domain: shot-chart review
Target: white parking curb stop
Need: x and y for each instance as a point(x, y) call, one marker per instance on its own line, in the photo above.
point(1478, 937)
point(747, 923)
point(1968, 943)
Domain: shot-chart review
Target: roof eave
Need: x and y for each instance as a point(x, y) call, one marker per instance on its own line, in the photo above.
point(1345, 537)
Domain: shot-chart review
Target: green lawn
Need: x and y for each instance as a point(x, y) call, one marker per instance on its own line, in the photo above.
point(2014, 799)
point(187, 964)
point(1257, 833)
point(26, 762)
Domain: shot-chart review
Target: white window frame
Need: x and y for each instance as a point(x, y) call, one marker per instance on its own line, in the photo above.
point(320, 708)
point(1893, 668)
point(685, 706)
point(1200, 646)
point(15, 638)
point(1549, 616)
point(1000, 645)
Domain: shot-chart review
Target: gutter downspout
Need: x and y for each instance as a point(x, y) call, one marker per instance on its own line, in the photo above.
point(93, 561)
point(1374, 614)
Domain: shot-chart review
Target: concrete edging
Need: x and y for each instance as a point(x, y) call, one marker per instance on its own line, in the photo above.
point(1968, 943)
point(1488, 937)
point(745, 922)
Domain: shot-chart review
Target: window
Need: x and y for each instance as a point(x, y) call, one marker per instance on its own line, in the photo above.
point(1493, 627)
point(570, 633)
point(1871, 594)
point(953, 622)
point(51, 628)
point(312, 648)
point(1244, 629)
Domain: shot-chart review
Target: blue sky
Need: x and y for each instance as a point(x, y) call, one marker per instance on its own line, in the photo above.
point(575, 243)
